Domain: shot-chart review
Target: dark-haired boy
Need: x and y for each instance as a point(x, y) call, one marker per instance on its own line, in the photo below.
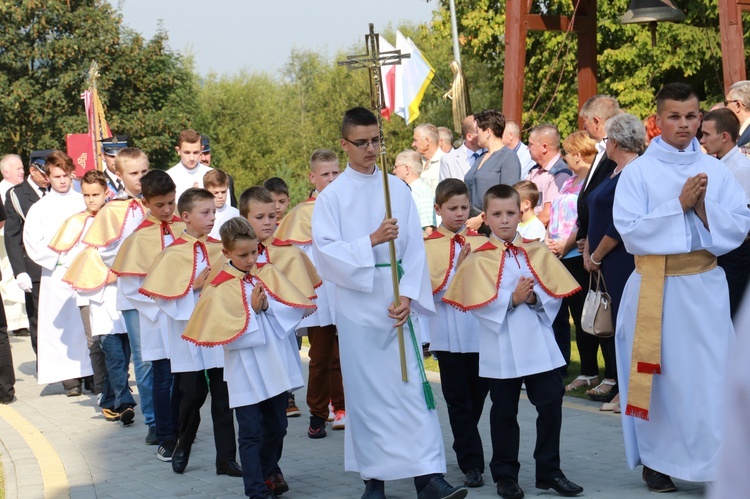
point(676, 209)
point(174, 282)
point(349, 244)
point(259, 310)
point(514, 288)
point(157, 231)
point(453, 335)
point(280, 193)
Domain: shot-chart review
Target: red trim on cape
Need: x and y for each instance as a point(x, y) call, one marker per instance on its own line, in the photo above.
point(144, 224)
point(480, 305)
point(278, 242)
point(179, 240)
point(212, 240)
point(221, 278)
point(435, 235)
point(539, 281)
point(278, 299)
point(128, 274)
point(486, 246)
point(450, 266)
point(122, 226)
point(241, 332)
point(288, 242)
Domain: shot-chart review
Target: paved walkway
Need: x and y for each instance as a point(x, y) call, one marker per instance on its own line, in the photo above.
point(54, 446)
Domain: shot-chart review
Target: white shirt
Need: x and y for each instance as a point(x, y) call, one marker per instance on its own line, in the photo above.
point(184, 179)
point(222, 215)
point(739, 165)
point(431, 171)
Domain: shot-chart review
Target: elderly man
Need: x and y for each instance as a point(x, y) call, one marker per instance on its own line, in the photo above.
point(512, 140)
point(456, 163)
point(445, 142)
point(550, 171)
point(426, 138)
point(595, 113)
point(407, 167)
point(738, 101)
point(11, 168)
point(720, 131)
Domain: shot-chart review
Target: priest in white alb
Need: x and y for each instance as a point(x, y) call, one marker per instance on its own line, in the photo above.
point(676, 209)
point(391, 433)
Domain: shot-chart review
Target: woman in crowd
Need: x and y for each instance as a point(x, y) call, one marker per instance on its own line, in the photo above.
point(625, 140)
point(579, 152)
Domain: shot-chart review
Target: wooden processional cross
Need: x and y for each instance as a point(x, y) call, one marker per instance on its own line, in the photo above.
point(373, 60)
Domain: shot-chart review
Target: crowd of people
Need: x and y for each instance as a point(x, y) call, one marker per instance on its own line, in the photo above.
point(495, 242)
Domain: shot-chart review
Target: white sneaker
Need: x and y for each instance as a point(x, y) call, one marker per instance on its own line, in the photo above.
point(339, 420)
point(331, 414)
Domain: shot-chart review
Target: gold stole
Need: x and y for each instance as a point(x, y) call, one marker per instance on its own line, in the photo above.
point(477, 280)
point(70, 233)
point(172, 274)
point(140, 249)
point(223, 311)
point(646, 356)
point(295, 265)
point(296, 227)
point(110, 222)
point(440, 252)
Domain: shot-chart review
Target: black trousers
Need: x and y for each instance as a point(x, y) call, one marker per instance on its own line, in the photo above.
point(736, 265)
point(545, 391)
point(7, 372)
point(465, 393)
point(194, 389)
point(571, 306)
point(32, 306)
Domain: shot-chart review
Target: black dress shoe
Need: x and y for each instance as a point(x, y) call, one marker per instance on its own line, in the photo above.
point(657, 482)
point(231, 468)
point(473, 478)
point(21, 332)
point(562, 486)
point(508, 488)
point(180, 459)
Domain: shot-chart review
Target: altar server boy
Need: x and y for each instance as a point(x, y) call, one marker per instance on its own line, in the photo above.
point(175, 281)
point(252, 310)
point(454, 336)
point(139, 250)
point(514, 289)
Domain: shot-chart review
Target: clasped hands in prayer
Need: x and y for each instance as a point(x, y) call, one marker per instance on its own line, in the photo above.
point(524, 292)
point(258, 299)
point(693, 196)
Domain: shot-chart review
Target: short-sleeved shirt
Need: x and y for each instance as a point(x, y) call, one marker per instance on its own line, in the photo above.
point(563, 213)
point(424, 198)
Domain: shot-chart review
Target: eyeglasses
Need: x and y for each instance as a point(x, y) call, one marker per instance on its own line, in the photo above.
point(727, 102)
point(605, 139)
point(364, 144)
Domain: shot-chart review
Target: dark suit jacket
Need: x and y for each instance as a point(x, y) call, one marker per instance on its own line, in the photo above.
point(19, 261)
point(744, 138)
point(232, 197)
point(603, 170)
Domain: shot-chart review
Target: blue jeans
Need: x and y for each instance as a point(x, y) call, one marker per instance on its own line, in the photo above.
point(166, 402)
point(115, 392)
point(262, 428)
point(144, 375)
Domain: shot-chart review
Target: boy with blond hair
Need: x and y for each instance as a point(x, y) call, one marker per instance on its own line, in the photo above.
point(258, 310)
point(174, 282)
point(324, 380)
point(530, 227)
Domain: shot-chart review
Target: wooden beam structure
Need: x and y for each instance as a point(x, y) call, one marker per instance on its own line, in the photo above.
point(518, 22)
point(732, 41)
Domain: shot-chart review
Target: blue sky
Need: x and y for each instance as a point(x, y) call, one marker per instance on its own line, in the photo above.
point(226, 36)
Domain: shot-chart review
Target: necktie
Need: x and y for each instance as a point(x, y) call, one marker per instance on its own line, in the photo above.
point(119, 185)
point(42, 191)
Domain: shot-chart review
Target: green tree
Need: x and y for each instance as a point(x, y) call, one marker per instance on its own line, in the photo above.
point(46, 48)
point(629, 68)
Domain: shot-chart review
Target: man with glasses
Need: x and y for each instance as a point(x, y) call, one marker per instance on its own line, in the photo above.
point(391, 433)
point(18, 201)
point(738, 101)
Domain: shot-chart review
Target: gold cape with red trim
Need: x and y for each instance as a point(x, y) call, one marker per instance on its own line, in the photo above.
point(140, 249)
point(110, 222)
point(296, 227)
point(295, 265)
point(70, 233)
point(477, 280)
point(441, 252)
point(173, 271)
point(223, 311)
point(87, 272)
